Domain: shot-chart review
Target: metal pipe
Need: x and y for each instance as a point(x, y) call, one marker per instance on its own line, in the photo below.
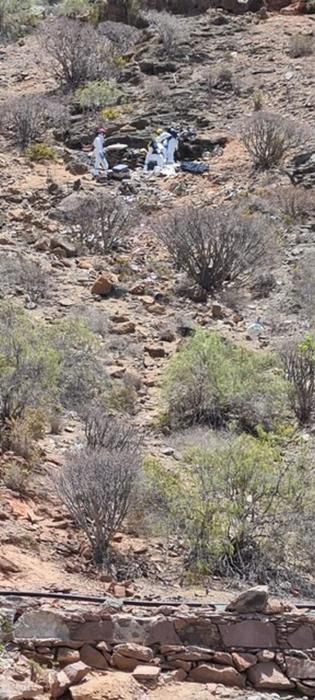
point(127, 601)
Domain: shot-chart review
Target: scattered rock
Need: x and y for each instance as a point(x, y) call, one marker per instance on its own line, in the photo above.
point(124, 328)
point(253, 600)
point(8, 567)
point(65, 656)
point(135, 651)
point(76, 672)
point(268, 675)
point(63, 247)
point(210, 673)
point(243, 661)
point(92, 657)
point(104, 285)
point(217, 311)
point(111, 686)
point(146, 674)
point(155, 350)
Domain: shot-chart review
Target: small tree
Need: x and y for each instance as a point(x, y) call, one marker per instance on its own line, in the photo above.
point(210, 381)
point(102, 222)
point(215, 245)
point(299, 365)
point(77, 52)
point(269, 138)
point(97, 482)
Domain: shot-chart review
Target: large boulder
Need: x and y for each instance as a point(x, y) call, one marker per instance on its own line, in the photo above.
point(253, 600)
point(41, 624)
point(268, 676)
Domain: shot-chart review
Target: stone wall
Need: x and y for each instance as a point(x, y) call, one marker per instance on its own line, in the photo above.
point(275, 651)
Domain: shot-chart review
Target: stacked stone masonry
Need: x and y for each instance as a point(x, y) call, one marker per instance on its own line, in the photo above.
point(274, 652)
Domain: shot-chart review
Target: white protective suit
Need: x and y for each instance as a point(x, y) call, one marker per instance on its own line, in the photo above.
point(99, 155)
point(154, 157)
point(170, 148)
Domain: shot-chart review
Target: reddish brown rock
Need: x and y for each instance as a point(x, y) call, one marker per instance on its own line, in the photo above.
point(302, 638)
point(217, 311)
point(58, 684)
point(222, 657)
point(76, 672)
point(123, 663)
point(210, 673)
point(300, 668)
point(243, 661)
point(65, 656)
point(135, 651)
point(124, 328)
point(252, 634)
point(267, 675)
point(97, 631)
point(147, 674)
point(179, 675)
point(92, 657)
point(104, 285)
point(162, 631)
point(155, 350)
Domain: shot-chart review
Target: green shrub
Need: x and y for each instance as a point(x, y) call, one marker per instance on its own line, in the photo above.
point(230, 504)
point(97, 94)
point(40, 151)
point(299, 366)
point(16, 17)
point(41, 366)
point(110, 114)
point(214, 382)
point(74, 8)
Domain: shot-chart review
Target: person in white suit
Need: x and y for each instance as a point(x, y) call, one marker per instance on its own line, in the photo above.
point(99, 153)
point(155, 157)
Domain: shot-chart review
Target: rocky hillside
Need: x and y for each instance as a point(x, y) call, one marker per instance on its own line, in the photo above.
point(140, 306)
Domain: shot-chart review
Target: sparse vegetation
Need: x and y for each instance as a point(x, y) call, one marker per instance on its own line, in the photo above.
point(301, 45)
point(16, 17)
point(213, 382)
point(78, 54)
point(25, 118)
point(98, 480)
point(170, 29)
point(294, 203)
point(229, 501)
point(21, 274)
point(40, 151)
point(121, 35)
point(97, 94)
point(269, 138)
point(303, 288)
point(299, 364)
point(215, 245)
point(40, 365)
point(103, 223)
point(74, 8)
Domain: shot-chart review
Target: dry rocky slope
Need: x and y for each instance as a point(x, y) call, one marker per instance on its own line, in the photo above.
point(145, 322)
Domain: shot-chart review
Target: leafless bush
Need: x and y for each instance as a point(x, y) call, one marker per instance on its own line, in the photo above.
point(304, 286)
point(269, 138)
point(24, 118)
point(170, 29)
point(110, 432)
point(301, 45)
point(23, 274)
point(214, 245)
point(97, 483)
point(102, 222)
point(299, 364)
point(156, 88)
point(77, 52)
point(296, 203)
point(123, 36)
point(95, 319)
point(263, 284)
